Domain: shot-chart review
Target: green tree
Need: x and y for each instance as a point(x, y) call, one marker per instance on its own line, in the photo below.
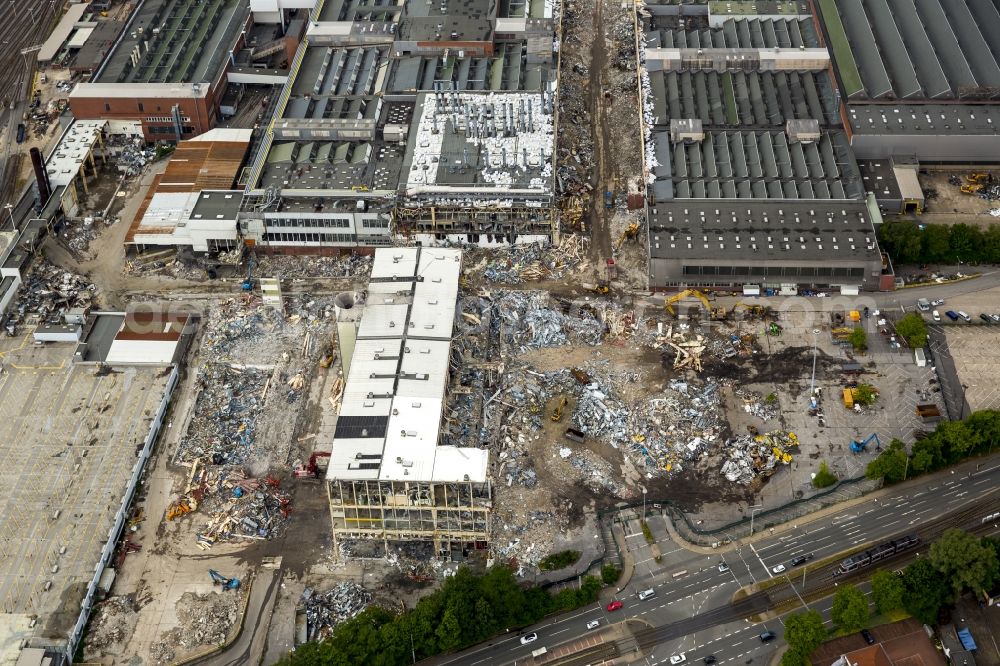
point(964, 561)
point(957, 439)
point(966, 242)
point(824, 477)
point(891, 465)
point(927, 454)
point(902, 239)
point(805, 631)
point(991, 244)
point(449, 632)
point(859, 339)
point(936, 243)
point(926, 591)
point(887, 591)
point(865, 395)
point(794, 657)
point(913, 329)
point(850, 608)
point(610, 574)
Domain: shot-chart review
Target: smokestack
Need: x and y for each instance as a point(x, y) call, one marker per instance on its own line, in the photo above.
point(41, 177)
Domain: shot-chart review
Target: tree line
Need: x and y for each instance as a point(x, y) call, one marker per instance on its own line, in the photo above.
point(956, 563)
point(467, 609)
point(949, 443)
point(909, 243)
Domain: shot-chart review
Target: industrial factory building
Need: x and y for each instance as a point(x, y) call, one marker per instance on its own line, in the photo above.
point(389, 479)
point(754, 183)
point(435, 129)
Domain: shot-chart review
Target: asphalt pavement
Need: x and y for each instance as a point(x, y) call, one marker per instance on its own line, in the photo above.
point(692, 612)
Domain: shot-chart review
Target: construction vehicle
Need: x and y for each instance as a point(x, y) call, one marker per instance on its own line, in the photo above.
point(609, 199)
point(249, 282)
point(180, 507)
point(311, 469)
point(602, 287)
point(859, 447)
point(971, 189)
point(631, 231)
point(687, 293)
point(226, 583)
point(360, 188)
point(327, 359)
point(978, 177)
point(557, 411)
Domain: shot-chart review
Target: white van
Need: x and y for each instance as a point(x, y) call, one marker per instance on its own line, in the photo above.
point(964, 316)
point(646, 594)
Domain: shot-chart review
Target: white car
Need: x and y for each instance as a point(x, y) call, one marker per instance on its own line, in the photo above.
point(778, 569)
point(593, 624)
point(937, 315)
point(723, 567)
point(678, 658)
point(529, 638)
point(646, 594)
point(937, 302)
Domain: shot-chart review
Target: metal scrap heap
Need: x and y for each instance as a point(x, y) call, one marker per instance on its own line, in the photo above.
point(326, 610)
point(757, 456)
point(241, 507)
point(529, 262)
point(46, 289)
point(229, 403)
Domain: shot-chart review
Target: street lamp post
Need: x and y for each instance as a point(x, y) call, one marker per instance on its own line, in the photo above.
point(10, 211)
point(644, 502)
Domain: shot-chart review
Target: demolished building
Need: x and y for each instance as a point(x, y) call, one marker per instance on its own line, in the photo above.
point(388, 478)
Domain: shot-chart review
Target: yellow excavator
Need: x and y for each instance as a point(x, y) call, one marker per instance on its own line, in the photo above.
point(687, 293)
point(971, 189)
point(557, 411)
point(630, 232)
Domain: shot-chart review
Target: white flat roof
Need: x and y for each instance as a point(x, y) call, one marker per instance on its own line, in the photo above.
point(73, 148)
point(390, 416)
point(141, 90)
point(396, 262)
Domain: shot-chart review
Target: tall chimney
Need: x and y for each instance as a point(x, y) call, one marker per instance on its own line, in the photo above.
point(41, 177)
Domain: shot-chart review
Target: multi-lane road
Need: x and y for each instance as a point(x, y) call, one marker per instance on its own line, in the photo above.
point(693, 610)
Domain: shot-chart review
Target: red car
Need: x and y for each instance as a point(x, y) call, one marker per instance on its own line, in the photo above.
point(615, 605)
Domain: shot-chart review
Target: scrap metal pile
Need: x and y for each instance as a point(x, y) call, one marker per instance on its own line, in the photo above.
point(241, 507)
point(291, 267)
point(753, 457)
point(326, 610)
point(223, 427)
point(530, 262)
point(205, 619)
point(46, 289)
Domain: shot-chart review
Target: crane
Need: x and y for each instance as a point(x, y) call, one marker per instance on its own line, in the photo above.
point(630, 232)
point(226, 583)
point(311, 469)
point(859, 447)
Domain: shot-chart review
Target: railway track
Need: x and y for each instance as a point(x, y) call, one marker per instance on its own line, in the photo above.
point(22, 24)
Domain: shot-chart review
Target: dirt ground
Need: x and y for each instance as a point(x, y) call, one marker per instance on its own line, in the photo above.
point(950, 199)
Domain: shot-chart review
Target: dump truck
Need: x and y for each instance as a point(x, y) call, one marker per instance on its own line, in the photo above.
point(609, 199)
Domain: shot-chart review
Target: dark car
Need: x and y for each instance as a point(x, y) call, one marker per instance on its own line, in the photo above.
point(710, 659)
point(801, 559)
point(767, 637)
point(867, 635)
point(951, 314)
point(986, 318)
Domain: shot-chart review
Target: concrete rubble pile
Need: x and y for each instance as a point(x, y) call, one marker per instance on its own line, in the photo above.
point(112, 623)
point(527, 540)
point(754, 403)
point(326, 610)
point(530, 262)
point(229, 403)
point(241, 507)
point(751, 457)
point(205, 619)
point(46, 289)
point(575, 152)
point(355, 266)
